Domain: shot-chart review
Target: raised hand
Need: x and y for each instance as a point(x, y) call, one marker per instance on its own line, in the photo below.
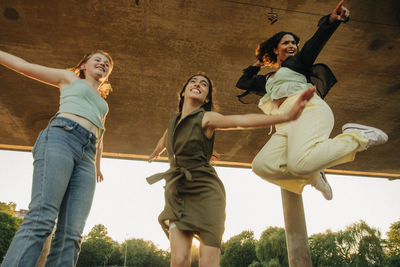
point(308, 94)
point(340, 13)
point(259, 64)
point(301, 103)
point(152, 157)
point(159, 148)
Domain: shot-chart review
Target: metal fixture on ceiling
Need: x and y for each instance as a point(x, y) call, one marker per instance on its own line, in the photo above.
point(272, 16)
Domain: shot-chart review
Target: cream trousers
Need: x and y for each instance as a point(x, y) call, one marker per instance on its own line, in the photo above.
point(299, 150)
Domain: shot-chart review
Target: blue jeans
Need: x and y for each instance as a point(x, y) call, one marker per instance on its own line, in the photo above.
point(64, 181)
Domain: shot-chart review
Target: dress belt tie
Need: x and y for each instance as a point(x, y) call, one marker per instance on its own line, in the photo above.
point(175, 173)
point(170, 176)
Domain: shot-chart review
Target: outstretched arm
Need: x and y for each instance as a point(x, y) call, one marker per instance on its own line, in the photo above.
point(52, 76)
point(159, 148)
point(311, 49)
point(214, 120)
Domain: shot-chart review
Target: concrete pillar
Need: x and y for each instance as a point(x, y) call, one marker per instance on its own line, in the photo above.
point(296, 230)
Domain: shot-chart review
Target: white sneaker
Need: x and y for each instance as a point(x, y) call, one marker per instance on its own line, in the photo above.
point(323, 186)
point(374, 136)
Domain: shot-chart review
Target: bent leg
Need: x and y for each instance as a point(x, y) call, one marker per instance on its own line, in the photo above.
point(271, 164)
point(309, 147)
point(271, 161)
point(299, 150)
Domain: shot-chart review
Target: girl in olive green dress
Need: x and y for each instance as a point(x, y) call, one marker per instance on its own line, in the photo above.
point(194, 195)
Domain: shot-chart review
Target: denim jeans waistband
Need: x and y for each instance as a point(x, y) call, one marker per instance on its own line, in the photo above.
point(61, 121)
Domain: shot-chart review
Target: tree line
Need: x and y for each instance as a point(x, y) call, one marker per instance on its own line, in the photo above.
point(358, 245)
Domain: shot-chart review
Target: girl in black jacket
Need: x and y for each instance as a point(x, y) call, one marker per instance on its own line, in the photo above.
point(298, 151)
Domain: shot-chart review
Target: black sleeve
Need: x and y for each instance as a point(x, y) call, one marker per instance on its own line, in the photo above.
point(311, 49)
point(252, 82)
point(323, 78)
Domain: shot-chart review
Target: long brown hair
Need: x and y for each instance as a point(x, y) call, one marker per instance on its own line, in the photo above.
point(209, 105)
point(105, 87)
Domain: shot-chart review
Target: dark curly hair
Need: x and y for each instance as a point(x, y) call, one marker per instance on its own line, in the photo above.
point(207, 106)
point(265, 50)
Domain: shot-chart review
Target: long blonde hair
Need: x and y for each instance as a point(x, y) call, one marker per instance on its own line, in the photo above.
point(105, 87)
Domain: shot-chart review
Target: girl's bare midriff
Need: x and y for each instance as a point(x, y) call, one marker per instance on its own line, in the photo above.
point(82, 121)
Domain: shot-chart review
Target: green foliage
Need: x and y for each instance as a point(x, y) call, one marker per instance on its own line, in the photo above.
point(99, 231)
point(144, 253)
point(393, 261)
point(8, 208)
point(97, 248)
point(256, 264)
point(239, 250)
point(95, 253)
point(116, 255)
point(357, 245)
point(8, 227)
point(271, 248)
point(274, 263)
point(324, 250)
point(393, 242)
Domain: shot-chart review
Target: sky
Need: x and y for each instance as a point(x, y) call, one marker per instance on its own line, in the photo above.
point(128, 206)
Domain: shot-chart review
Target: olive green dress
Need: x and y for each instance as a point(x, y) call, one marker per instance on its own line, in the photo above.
point(194, 195)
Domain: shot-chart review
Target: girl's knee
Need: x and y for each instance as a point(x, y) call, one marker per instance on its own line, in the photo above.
point(262, 167)
point(180, 259)
point(257, 165)
point(38, 222)
point(208, 262)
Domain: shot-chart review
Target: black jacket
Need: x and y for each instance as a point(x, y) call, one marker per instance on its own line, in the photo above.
point(303, 62)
